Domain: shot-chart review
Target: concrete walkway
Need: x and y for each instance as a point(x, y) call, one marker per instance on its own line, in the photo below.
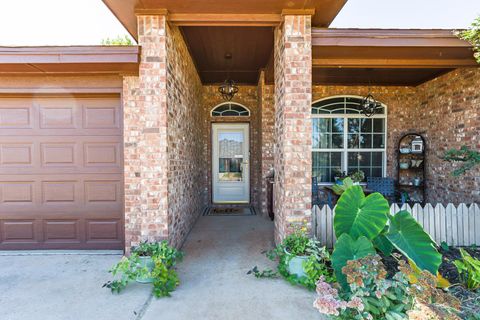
point(214, 284)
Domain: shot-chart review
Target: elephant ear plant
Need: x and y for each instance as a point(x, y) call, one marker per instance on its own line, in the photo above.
point(149, 263)
point(364, 223)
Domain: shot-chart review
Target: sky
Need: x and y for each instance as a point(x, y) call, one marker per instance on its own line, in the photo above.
point(87, 22)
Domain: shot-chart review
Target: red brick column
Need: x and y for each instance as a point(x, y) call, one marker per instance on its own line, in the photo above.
point(145, 138)
point(293, 137)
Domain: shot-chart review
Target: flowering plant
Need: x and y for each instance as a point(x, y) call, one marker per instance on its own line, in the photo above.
point(370, 296)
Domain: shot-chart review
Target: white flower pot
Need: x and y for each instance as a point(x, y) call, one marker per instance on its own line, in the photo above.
point(295, 264)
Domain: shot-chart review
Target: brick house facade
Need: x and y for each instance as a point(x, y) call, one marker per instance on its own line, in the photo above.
point(167, 123)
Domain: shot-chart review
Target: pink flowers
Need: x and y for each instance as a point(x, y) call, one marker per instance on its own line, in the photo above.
point(329, 303)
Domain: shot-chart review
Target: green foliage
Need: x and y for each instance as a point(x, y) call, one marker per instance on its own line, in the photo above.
point(360, 216)
point(469, 158)
point(340, 188)
point(346, 249)
point(357, 176)
point(298, 243)
point(412, 241)
point(124, 40)
point(472, 35)
point(469, 270)
point(370, 294)
point(162, 271)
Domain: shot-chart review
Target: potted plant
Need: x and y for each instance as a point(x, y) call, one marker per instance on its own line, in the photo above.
point(145, 252)
point(339, 176)
point(148, 263)
point(357, 176)
point(295, 247)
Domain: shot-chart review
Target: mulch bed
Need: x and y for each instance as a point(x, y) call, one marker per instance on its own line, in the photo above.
point(470, 300)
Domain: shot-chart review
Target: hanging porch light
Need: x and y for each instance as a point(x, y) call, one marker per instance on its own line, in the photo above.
point(369, 105)
point(229, 88)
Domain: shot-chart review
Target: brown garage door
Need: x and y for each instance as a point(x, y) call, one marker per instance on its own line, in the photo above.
point(61, 173)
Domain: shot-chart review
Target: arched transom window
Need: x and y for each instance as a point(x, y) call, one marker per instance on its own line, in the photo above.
point(230, 109)
point(345, 140)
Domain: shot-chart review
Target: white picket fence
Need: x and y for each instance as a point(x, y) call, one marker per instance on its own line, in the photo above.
point(456, 225)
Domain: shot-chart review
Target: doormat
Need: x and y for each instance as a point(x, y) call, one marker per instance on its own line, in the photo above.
point(231, 211)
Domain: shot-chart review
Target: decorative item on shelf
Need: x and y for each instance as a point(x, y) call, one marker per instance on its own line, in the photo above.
point(416, 163)
point(404, 165)
point(411, 155)
point(417, 181)
point(229, 88)
point(417, 145)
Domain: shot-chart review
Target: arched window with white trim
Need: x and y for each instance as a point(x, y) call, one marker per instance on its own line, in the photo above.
point(230, 109)
point(345, 140)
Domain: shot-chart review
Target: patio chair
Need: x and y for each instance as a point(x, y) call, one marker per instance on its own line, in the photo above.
point(385, 186)
point(316, 195)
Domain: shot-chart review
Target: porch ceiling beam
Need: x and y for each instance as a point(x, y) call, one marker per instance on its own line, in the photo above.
point(393, 63)
point(386, 38)
point(207, 19)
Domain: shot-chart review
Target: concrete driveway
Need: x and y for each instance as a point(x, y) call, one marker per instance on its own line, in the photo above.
point(214, 285)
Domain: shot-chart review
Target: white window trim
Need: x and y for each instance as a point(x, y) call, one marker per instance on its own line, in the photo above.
point(345, 149)
point(230, 102)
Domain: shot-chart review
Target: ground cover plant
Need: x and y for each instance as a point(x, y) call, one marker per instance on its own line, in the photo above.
point(148, 263)
point(299, 243)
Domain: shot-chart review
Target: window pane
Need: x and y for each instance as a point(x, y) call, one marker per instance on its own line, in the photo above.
point(377, 159)
point(337, 141)
point(371, 163)
point(353, 141)
point(378, 141)
point(365, 141)
point(325, 165)
point(353, 125)
point(337, 125)
point(322, 136)
point(379, 125)
point(366, 125)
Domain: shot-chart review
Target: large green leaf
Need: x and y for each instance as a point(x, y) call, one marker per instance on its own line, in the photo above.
point(410, 239)
point(383, 244)
point(358, 215)
point(347, 249)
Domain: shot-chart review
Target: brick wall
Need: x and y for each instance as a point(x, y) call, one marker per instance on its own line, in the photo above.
point(266, 100)
point(145, 136)
point(448, 112)
point(293, 131)
point(445, 111)
point(186, 165)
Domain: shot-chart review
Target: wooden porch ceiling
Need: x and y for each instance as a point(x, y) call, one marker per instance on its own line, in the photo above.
point(224, 12)
point(386, 57)
point(250, 48)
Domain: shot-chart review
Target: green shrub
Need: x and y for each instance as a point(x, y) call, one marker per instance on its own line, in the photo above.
point(469, 270)
point(163, 274)
point(299, 243)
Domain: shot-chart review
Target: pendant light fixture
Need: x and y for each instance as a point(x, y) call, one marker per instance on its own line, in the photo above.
point(369, 105)
point(229, 88)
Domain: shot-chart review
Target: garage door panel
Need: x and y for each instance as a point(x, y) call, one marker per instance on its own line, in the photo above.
point(50, 193)
point(19, 231)
point(61, 173)
point(48, 154)
point(62, 231)
point(62, 116)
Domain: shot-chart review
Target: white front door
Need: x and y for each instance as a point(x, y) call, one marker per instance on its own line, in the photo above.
point(230, 171)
